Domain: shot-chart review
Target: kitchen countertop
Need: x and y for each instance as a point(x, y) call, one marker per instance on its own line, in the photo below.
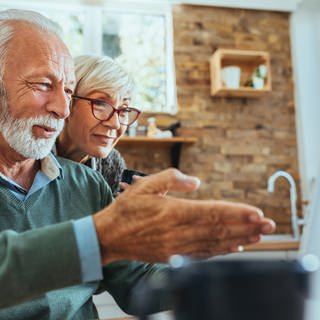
point(275, 243)
point(125, 318)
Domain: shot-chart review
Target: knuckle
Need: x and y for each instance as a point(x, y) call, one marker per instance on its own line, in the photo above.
point(173, 173)
point(214, 218)
point(220, 232)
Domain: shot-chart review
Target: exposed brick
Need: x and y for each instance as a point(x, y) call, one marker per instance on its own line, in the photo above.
point(241, 142)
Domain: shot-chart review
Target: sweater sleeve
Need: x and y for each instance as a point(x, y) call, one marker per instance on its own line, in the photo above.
point(126, 281)
point(37, 261)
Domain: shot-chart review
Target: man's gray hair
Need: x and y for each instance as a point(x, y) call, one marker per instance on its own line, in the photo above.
point(7, 30)
point(101, 73)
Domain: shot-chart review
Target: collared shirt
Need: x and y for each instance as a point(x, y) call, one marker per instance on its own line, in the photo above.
point(85, 231)
point(50, 170)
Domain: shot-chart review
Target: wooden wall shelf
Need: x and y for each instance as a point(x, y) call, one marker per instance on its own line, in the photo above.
point(145, 140)
point(248, 61)
point(174, 143)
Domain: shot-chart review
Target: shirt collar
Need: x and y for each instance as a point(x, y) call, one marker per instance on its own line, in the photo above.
point(51, 167)
point(50, 170)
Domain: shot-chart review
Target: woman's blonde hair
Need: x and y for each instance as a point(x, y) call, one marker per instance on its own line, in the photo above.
point(101, 73)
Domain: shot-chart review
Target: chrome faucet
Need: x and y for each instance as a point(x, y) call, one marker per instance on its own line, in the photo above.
point(295, 221)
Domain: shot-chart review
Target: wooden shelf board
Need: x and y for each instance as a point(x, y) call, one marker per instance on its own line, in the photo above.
point(146, 140)
point(240, 92)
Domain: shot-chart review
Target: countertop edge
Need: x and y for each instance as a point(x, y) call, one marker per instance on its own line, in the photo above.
point(273, 246)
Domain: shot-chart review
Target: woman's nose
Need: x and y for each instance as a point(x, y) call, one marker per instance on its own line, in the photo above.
point(113, 122)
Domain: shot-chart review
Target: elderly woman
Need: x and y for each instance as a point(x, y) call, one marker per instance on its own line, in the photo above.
point(100, 115)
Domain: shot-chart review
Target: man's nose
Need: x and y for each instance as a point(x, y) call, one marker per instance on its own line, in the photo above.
point(59, 104)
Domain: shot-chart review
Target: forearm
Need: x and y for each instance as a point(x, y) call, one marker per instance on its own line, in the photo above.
point(37, 261)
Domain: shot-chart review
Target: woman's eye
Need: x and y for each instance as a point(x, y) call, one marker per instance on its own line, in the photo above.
point(99, 103)
point(126, 110)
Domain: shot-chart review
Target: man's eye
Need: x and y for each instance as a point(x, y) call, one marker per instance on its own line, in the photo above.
point(44, 85)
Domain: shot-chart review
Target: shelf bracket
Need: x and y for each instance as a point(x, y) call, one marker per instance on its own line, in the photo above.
point(175, 154)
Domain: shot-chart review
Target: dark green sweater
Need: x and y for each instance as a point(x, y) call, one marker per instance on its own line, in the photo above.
point(80, 192)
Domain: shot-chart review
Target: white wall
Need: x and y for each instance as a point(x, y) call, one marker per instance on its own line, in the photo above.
point(305, 32)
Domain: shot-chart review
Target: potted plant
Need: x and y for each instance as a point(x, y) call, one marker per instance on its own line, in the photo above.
point(258, 77)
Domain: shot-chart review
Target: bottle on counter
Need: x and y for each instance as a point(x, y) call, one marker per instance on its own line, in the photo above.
point(152, 127)
point(132, 131)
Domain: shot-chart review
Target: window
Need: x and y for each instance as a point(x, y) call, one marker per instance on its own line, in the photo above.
point(72, 24)
point(136, 41)
point(138, 37)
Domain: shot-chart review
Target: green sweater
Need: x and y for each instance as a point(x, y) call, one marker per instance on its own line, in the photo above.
point(44, 259)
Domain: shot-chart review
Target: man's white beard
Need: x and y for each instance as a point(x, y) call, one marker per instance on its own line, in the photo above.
point(18, 133)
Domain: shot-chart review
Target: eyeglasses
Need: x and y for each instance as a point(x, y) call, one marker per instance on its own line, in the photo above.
point(103, 111)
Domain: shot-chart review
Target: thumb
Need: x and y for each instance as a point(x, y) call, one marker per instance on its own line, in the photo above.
point(166, 180)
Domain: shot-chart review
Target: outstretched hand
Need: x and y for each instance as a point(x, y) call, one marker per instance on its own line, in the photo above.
point(142, 225)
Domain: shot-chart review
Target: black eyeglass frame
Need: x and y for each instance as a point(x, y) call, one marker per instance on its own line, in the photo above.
point(114, 110)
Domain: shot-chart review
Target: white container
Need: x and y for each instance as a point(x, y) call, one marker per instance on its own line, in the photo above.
point(231, 77)
point(262, 71)
point(258, 83)
point(152, 127)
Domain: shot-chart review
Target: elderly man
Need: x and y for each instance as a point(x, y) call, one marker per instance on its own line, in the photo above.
point(56, 229)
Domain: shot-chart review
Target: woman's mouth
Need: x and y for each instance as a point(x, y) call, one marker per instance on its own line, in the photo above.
point(104, 139)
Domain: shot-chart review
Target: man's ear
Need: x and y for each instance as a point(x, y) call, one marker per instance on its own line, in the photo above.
point(2, 89)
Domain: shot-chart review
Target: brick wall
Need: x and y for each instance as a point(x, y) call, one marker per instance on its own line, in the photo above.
point(241, 142)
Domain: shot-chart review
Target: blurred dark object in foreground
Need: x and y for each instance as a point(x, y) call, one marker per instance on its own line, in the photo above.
point(231, 290)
